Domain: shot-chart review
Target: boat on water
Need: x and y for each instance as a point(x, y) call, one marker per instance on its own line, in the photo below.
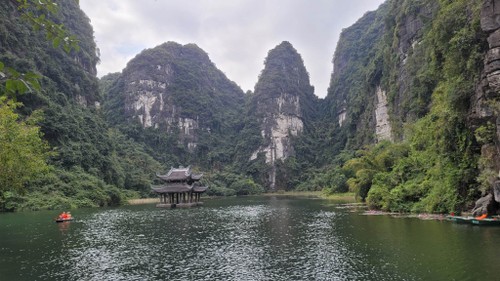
point(460, 219)
point(486, 221)
point(64, 216)
point(63, 220)
point(474, 220)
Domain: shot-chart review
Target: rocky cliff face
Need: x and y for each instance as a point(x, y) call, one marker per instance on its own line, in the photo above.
point(283, 100)
point(177, 89)
point(408, 26)
point(383, 129)
point(354, 102)
point(484, 115)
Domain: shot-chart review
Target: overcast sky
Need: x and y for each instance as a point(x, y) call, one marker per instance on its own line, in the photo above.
point(236, 34)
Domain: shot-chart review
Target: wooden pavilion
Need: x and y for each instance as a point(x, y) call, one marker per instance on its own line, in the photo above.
point(181, 189)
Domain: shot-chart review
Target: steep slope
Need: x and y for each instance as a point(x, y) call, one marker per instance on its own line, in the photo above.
point(176, 93)
point(91, 163)
point(415, 80)
point(282, 104)
point(26, 50)
point(352, 98)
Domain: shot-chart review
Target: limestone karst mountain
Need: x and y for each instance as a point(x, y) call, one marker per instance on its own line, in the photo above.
point(176, 91)
point(282, 103)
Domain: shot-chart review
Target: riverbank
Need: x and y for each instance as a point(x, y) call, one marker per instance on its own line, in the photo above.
point(143, 201)
point(344, 197)
point(422, 216)
point(337, 196)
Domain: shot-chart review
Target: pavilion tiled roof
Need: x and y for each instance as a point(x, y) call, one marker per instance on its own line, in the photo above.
point(196, 177)
point(200, 189)
point(173, 188)
point(179, 180)
point(180, 174)
point(177, 174)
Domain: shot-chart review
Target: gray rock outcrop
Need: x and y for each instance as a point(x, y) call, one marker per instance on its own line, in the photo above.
point(485, 205)
point(482, 111)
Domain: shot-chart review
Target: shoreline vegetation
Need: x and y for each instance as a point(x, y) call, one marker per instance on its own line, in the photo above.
point(348, 202)
point(348, 197)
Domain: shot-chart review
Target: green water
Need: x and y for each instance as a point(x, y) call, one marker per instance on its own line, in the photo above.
point(253, 238)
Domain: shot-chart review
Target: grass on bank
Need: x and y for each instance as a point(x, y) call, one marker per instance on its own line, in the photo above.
point(348, 196)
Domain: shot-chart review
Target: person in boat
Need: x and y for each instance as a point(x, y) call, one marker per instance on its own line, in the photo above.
point(64, 216)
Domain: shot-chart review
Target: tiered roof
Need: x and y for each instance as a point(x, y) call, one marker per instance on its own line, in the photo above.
point(180, 174)
point(180, 180)
point(173, 188)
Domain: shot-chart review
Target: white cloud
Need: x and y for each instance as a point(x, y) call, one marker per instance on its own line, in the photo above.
point(237, 34)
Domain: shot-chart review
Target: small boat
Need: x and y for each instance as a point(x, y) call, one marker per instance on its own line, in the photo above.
point(486, 221)
point(63, 220)
point(460, 219)
point(475, 220)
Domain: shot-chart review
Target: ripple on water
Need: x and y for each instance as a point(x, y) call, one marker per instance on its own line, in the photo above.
point(250, 242)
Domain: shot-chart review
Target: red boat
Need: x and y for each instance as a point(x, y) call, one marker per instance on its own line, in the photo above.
point(65, 216)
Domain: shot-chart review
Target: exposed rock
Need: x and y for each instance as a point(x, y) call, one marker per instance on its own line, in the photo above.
point(496, 191)
point(488, 89)
point(490, 15)
point(342, 116)
point(383, 127)
point(485, 205)
point(494, 39)
point(279, 135)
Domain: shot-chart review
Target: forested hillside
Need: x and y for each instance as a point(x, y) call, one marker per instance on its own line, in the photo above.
point(409, 122)
point(89, 163)
point(174, 100)
point(412, 72)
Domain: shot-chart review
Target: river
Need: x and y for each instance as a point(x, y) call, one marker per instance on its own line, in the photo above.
point(247, 238)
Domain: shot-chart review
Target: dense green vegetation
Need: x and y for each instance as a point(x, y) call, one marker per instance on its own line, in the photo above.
point(81, 161)
point(434, 168)
point(70, 140)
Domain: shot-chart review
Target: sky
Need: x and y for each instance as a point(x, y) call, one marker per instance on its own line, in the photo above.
point(236, 34)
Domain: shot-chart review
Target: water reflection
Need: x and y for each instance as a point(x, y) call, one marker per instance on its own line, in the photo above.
point(272, 241)
point(245, 239)
point(63, 226)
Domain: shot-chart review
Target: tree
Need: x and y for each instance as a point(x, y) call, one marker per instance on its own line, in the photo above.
point(37, 13)
point(23, 153)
